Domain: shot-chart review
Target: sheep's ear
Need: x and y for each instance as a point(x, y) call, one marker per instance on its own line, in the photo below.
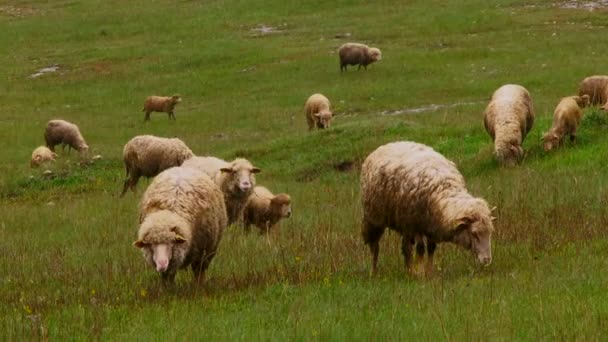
point(492, 218)
point(317, 114)
point(256, 170)
point(463, 222)
point(179, 239)
point(226, 170)
point(139, 244)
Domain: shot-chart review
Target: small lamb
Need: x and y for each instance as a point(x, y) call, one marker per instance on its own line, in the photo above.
point(264, 210)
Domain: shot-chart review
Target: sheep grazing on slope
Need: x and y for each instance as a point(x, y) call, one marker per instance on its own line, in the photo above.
point(566, 117)
point(597, 89)
point(147, 155)
point(358, 54)
point(164, 104)
point(182, 218)
point(410, 188)
point(42, 154)
point(318, 112)
point(264, 210)
point(236, 180)
point(508, 118)
point(64, 133)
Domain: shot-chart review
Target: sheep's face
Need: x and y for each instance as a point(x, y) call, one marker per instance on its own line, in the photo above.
point(282, 205)
point(36, 161)
point(583, 101)
point(160, 246)
point(84, 149)
point(375, 54)
point(176, 99)
point(242, 176)
point(324, 119)
point(476, 236)
point(550, 141)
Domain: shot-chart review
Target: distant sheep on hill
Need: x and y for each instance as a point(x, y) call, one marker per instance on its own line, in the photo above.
point(64, 133)
point(318, 111)
point(264, 210)
point(164, 104)
point(566, 117)
point(597, 89)
point(358, 54)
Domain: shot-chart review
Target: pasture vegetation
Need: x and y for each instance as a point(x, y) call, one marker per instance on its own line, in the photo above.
point(68, 270)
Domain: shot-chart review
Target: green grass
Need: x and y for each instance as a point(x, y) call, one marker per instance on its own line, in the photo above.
point(68, 270)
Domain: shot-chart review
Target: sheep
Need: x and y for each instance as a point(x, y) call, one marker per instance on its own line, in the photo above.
point(318, 112)
point(161, 104)
point(64, 133)
point(264, 210)
point(566, 118)
point(181, 222)
point(148, 155)
point(236, 180)
point(42, 154)
point(410, 188)
point(597, 89)
point(358, 54)
point(508, 118)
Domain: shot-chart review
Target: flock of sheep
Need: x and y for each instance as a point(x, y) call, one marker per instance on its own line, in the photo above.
point(405, 186)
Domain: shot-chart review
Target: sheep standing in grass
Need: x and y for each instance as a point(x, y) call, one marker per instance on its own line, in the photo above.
point(357, 54)
point(182, 218)
point(508, 118)
point(318, 112)
point(42, 154)
point(164, 104)
point(147, 155)
point(597, 89)
point(566, 117)
point(264, 210)
point(64, 133)
point(236, 180)
point(410, 188)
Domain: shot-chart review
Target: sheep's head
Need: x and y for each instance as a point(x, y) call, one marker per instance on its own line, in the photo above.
point(324, 118)
point(474, 232)
point(550, 141)
point(241, 175)
point(509, 154)
point(281, 205)
point(161, 243)
point(36, 161)
point(375, 54)
point(582, 101)
point(176, 98)
point(83, 148)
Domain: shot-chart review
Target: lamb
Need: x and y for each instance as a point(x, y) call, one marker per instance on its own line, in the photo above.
point(236, 180)
point(264, 210)
point(508, 118)
point(161, 104)
point(566, 117)
point(64, 133)
point(597, 89)
point(410, 188)
point(357, 54)
point(148, 155)
point(318, 112)
point(182, 219)
point(42, 154)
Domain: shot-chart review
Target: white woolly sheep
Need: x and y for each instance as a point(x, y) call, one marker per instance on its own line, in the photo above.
point(410, 188)
point(42, 154)
point(508, 118)
point(182, 219)
point(597, 89)
point(161, 104)
point(236, 180)
point(147, 155)
point(64, 133)
point(566, 118)
point(264, 210)
point(358, 54)
point(318, 111)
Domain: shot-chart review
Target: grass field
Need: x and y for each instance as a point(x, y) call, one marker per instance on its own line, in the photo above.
point(68, 270)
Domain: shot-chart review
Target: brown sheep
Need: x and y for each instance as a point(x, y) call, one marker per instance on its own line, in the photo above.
point(182, 219)
point(597, 89)
point(358, 54)
point(566, 117)
point(508, 118)
point(164, 104)
point(318, 112)
point(147, 155)
point(264, 210)
point(64, 133)
point(410, 188)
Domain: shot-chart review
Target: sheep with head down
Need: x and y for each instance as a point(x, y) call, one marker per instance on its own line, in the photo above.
point(566, 118)
point(41, 155)
point(236, 179)
point(64, 133)
point(318, 112)
point(410, 188)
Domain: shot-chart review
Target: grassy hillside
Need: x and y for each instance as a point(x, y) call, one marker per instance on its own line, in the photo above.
point(68, 270)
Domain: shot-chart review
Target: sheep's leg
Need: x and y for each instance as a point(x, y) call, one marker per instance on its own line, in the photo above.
point(199, 268)
point(168, 278)
point(420, 250)
point(407, 244)
point(342, 67)
point(359, 67)
point(573, 136)
point(147, 116)
point(430, 250)
point(371, 236)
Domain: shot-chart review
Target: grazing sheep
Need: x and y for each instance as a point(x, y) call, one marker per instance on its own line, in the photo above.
point(164, 104)
point(42, 154)
point(566, 118)
point(508, 118)
point(236, 180)
point(410, 188)
point(182, 218)
point(318, 112)
point(597, 89)
point(147, 155)
point(264, 210)
point(64, 133)
point(358, 54)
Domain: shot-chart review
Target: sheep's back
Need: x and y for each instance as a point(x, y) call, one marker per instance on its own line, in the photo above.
point(596, 87)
